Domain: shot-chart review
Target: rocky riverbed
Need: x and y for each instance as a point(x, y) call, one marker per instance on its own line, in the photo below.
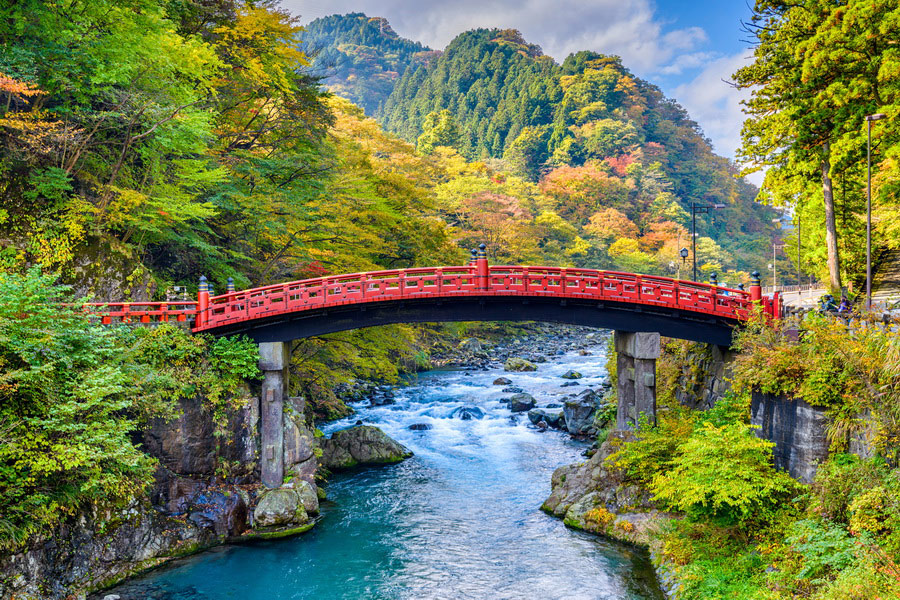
point(460, 518)
point(195, 505)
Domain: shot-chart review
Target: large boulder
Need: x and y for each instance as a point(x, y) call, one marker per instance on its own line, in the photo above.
point(502, 381)
point(571, 375)
point(280, 507)
point(594, 497)
point(553, 418)
point(579, 412)
point(299, 441)
point(309, 495)
point(223, 512)
point(359, 446)
point(471, 345)
point(522, 402)
point(518, 365)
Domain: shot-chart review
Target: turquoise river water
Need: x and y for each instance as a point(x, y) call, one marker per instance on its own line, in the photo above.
point(458, 521)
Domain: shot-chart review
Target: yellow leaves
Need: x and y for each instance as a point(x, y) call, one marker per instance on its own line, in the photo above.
point(623, 246)
point(599, 517)
point(261, 47)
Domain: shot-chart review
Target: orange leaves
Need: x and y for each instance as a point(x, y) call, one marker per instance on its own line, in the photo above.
point(19, 90)
point(610, 223)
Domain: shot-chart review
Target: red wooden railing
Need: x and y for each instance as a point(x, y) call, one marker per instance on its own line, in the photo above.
point(144, 312)
point(211, 313)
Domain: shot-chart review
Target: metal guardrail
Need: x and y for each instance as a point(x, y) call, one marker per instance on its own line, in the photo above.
point(786, 289)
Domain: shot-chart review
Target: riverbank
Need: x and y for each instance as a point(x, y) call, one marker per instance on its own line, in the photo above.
point(205, 494)
point(460, 506)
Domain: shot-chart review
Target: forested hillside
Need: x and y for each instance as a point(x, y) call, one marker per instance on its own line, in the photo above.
point(359, 57)
point(601, 154)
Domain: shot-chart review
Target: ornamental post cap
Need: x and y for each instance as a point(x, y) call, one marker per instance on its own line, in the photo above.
point(482, 247)
point(740, 286)
point(204, 285)
point(230, 285)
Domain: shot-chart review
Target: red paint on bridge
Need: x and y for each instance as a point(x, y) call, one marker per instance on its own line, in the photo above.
point(475, 280)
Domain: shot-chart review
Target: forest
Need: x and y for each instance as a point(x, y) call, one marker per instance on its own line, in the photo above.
point(148, 142)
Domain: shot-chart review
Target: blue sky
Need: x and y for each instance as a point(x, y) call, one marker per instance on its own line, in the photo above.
point(686, 47)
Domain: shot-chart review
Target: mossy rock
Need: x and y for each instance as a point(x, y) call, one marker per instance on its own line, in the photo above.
point(519, 365)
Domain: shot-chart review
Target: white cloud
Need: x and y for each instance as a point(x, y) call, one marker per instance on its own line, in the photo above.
point(628, 28)
point(712, 100)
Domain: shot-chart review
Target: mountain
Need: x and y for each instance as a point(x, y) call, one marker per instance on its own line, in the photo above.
point(361, 58)
point(611, 160)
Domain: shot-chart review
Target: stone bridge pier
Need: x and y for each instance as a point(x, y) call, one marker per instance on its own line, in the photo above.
point(274, 362)
point(636, 355)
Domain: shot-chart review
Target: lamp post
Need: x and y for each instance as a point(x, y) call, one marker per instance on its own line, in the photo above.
point(869, 119)
point(695, 210)
point(684, 254)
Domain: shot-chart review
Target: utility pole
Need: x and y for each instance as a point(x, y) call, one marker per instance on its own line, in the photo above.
point(869, 119)
point(701, 209)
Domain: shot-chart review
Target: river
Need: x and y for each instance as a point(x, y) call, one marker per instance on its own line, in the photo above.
point(458, 521)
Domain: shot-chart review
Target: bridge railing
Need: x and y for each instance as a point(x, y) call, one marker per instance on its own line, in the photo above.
point(182, 311)
point(415, 283)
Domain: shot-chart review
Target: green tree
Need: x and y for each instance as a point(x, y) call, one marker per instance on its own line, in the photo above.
point(819, 68)
point(439, 129)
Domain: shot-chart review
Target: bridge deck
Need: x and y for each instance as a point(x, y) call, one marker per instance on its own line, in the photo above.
point(249, 308)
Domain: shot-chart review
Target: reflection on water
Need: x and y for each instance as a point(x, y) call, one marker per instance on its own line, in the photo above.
point(459, 520)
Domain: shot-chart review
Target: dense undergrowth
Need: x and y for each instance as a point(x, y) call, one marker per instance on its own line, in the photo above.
point(749, 531)
point(72, 394)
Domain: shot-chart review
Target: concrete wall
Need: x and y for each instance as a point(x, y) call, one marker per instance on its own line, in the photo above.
point(798, 430)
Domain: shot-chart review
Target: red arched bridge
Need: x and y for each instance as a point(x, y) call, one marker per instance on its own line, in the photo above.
point(476, 292)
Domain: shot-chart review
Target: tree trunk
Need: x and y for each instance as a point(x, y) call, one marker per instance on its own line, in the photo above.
point(834, 263)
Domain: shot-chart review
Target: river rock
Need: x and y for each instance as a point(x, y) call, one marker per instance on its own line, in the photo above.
point(513, 389)
point(467, 413)
point(502, 381)
point(551, 418)
point(584, 352)
point(518, 365)
point(579, 412)
point(522, 402)
point(420, 427)
point(570, 384)
point(278, 508)
point(309, 496)
point(299, 441)
point(471, 345)
point(382, 397)
point(571, 375)
point(359, 446)
point(594, 497)
point(223, 512)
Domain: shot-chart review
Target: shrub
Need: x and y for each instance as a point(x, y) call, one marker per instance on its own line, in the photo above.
point(72, 393)
point(724, 473)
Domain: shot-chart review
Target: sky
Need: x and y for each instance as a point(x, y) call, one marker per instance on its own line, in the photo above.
point(689, 48)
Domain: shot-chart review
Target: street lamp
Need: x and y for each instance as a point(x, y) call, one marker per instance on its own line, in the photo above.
point(869, 119)
point(695, 210)
point(684, 254)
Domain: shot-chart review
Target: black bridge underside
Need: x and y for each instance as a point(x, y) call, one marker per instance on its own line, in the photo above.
point(621, 316)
